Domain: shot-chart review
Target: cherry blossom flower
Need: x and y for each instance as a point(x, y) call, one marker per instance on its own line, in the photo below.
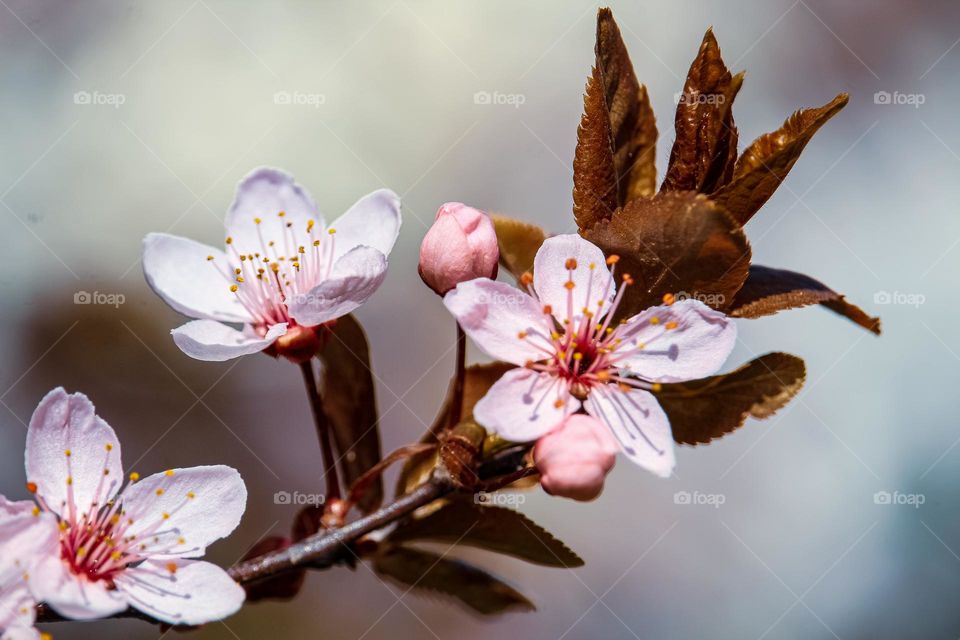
point(26, 536)
point(572, 354)
point(283, 273)
point(118, 546)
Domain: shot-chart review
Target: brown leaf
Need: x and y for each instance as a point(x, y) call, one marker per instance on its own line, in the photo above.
point(676, 242)
point(479, 378)
point(702, 410)
point(473, 587)
point(633, 128)
point(704, 124)
point(518, 242)
point(768, 160)
point(594, 172)
point(498, 529)
point(350, 403)
point(767, 291)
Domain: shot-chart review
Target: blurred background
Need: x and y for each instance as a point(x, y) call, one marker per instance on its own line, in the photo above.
point(125, 118)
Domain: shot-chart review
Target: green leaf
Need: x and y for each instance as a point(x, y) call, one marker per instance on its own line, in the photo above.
point(767, 161)
point(473, 587)
point(702, 410)
point(350, 403)
point(767, 291)
point(497, 529)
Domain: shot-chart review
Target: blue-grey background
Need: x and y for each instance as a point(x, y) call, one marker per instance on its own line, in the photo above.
point(798, 549)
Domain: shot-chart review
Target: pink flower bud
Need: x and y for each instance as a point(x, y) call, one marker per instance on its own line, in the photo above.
point(461, 245)
point(575, 458)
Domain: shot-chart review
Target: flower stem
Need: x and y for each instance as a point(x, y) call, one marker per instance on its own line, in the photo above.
point(456, 406)
point(330, 478)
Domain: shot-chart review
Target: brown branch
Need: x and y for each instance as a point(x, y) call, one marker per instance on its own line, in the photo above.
point(331, 481)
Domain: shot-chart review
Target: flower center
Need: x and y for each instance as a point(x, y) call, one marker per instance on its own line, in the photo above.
point(268, 277)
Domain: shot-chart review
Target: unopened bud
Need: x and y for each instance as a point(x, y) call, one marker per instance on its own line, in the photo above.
point(460, 246)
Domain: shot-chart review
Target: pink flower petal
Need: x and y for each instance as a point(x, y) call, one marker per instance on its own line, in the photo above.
point(263, 194)
point(17, 611)
point(373, 221)
point(215, 342)
point(191, 507)
point(495, 315)
point(591, 285)
point(521, 405)
point(355, 277)
point(696, 347)
point(71, 595)
point(179, 271)
point(73, 456)
point(639, 424)
point(193, 593)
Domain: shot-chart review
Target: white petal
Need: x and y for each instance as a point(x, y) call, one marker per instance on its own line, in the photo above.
point(74, 596)
point(521, 405)
point(178, 270)
point(195, 593)
point(373, 221)
point(215, 342)
point(17, 612)
point(219, 498)
point(591, 277)
point(92, 472)
point(696, 347)
point(638, 422)
point(263, 194)
point(495, 315)
point(354, 278)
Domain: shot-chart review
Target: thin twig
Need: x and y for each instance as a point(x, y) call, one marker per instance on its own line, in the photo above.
point(460, 375)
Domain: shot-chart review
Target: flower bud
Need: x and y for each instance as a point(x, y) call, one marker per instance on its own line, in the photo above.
point(575, 458)
point(461, 245)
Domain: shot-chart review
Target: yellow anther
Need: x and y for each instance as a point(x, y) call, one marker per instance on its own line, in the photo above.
point(116, 555)
point(32, 487)
point(669, 298)
point(108, 447)
point(280, 214)
point(257, 221)
point(82, 551)
point(134, 476)
point(181, 541)
point(209, 258)
point(603, 376)
point(641, 345)
point(240, 279)
point(569, 284)
point(274, 267)
point(36, 511)
point(331, 231)
point(578, 356)
point(62, 526)
point(656, 387)
point(593, 265)
point(522, 335)
point(69, 480)
point(612, 260)
point(166, 516)
point(623, 386)
point(310, 224)
point(68, 453)
point(229, 240)
point(555, 335)
point(627, 279)
point(191, 495)
point(570, 264)
point(300, 249)
point(168, 472)
point(547, 308)
point(526, 278)
point(670, 325)
point(233, 288)
point(159, 492)
point(316, 243)
point(237, 271)
point(654, 320)
point(558, 403)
